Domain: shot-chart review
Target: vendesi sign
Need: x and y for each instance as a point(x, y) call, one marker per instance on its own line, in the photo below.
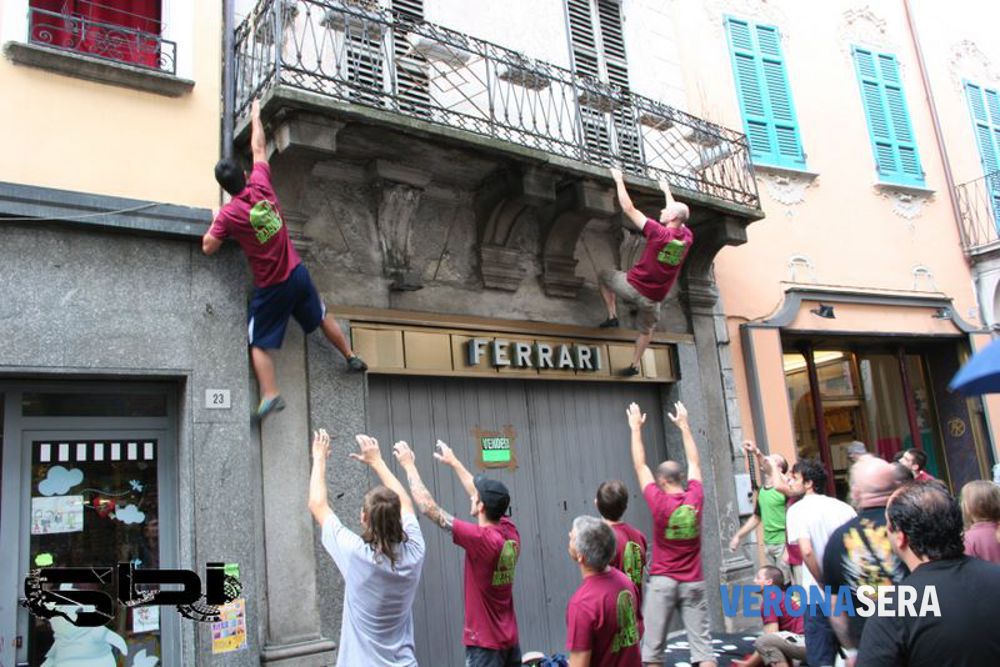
point(496, 449)
point(519, 354)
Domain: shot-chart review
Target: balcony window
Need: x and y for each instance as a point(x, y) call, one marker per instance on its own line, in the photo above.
point(123, 31)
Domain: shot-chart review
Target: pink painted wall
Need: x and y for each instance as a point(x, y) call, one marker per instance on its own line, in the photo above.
point(853, 235)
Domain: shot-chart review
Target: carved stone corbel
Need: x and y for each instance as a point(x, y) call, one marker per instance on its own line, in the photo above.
point(576, 205)
point(398, 191)
point(711, 235)
point(500, 206)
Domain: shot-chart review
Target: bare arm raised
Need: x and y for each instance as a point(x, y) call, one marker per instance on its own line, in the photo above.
point(258, 140)
point(637, 217)
point(680, 420)
point(636, 419)
point(446, 456)
point(371, 455)
point(319, 506)
point(421, 495)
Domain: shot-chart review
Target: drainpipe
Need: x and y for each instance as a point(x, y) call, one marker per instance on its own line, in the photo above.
point(938, 134)
point(228, 84)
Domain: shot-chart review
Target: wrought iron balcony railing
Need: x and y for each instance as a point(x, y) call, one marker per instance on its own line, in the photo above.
point(354, 52)
point(105, 32)
point(979, 205)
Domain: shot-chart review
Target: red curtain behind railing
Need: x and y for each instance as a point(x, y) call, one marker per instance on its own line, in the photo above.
point(90, 27)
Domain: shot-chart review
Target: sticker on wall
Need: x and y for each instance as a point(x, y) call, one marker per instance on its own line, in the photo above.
point(129, 514)
point(142, 659)
point(82, 647)
point(230, 632)
point(58, 514)
point(145, 619)
point(59, 480)
point(496, 448)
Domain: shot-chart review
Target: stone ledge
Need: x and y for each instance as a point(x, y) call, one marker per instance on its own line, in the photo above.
point(787, 172)
point(895, 188)
point(82, 66)
point(94, 210)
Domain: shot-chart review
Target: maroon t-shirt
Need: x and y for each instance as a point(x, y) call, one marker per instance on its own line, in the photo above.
point(631, 540)
point(655, 272)
point(253, 219)
point(490, 557)
point(603, 617)
point(924, 476)
point(676, 531)
point(794, 551)
point(786, 622)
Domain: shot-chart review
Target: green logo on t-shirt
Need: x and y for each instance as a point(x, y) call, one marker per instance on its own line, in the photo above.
point(265, 220)
point(504, 574)
point(632, 562)
point(628, 629)
point(672, 253)
point(683, 524)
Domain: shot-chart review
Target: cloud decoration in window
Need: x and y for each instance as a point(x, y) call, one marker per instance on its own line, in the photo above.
point(59, 480)
point(130, 514)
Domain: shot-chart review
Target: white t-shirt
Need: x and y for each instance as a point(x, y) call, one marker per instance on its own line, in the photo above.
point(377, 627)
point(816, 516)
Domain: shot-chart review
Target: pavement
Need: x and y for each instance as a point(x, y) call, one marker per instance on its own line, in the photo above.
point(727, 648)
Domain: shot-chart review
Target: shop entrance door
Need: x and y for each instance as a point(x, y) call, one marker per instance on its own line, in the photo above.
point(568, 438)
point(88, 482)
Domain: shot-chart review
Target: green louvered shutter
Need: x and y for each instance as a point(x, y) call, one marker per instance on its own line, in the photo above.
point(984, 104)
point(764, 94)
point(893, 143)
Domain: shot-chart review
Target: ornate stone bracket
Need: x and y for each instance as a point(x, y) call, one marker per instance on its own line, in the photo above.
point(786, 186)
point(576, 205)
point(397, 191)
point(297, 142)
point(500, 206)
point(711, 235)
point(967, 62)
point(907, 201)
point(863, 27)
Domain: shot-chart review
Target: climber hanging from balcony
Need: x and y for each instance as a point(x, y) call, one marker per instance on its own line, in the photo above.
point(282, 286)
point(647, 283)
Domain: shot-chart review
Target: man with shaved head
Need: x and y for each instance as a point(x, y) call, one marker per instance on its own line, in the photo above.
point(648, 282)
point(675, 576)
point(859, 552)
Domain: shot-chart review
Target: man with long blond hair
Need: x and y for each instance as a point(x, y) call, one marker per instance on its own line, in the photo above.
point(381, 567)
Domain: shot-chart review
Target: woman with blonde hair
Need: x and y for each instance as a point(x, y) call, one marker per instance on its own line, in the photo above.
point(981, 511)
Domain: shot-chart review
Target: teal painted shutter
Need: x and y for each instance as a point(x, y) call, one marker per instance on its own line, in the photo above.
point(893, 143)
point(985, 107)
point(764, 94)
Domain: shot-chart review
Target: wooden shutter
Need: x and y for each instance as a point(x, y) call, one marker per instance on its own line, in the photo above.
point(764, 94)
point(984, 104)
point(893, 142)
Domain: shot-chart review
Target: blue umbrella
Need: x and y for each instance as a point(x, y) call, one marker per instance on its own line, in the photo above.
point(981, 373)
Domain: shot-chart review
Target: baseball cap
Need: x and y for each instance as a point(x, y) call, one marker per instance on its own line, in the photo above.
point(492, 493)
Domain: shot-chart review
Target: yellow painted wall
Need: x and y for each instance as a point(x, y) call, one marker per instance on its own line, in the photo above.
point(846, 228)
point(67, 133)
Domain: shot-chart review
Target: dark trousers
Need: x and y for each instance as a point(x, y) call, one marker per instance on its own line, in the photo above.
point(493, 657)
point(821, 642)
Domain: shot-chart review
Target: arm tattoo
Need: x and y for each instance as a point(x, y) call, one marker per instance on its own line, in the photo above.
point(426, 504)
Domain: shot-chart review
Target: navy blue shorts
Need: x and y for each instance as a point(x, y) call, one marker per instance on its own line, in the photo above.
point(270, 308)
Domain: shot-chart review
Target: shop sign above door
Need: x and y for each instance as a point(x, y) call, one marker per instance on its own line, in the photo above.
point(520, 350)
point(521, 354)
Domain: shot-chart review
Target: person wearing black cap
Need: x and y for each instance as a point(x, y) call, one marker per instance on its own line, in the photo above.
point(492, 545)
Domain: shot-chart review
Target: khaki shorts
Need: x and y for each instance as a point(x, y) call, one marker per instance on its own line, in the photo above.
point(781, 646)
point(773, 555)
point(649, 310)
point(664, 595)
